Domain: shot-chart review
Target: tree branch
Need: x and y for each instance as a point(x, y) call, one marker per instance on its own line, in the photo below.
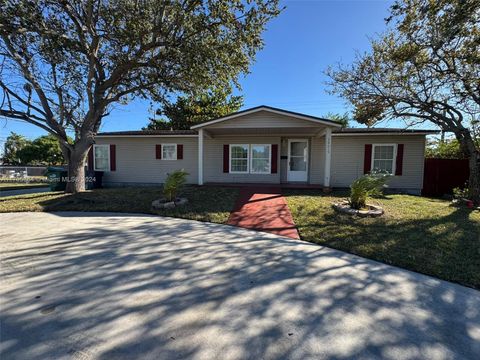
point(36, 86)
point(23, 101)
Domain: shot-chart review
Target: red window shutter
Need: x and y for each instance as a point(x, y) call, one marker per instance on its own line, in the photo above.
point(399, 160)
point(367, 160)
point(158, 151)
point(179, 151)
point(90, 159)
point(226, 153)
point(274, 159)
point(113, 158)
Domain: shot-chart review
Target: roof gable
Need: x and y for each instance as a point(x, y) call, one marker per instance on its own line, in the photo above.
point(271, 110)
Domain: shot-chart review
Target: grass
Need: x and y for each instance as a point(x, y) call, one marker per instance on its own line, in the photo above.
point(416, 233)
point(211, 204)
point(4, 186)
point(23, 183)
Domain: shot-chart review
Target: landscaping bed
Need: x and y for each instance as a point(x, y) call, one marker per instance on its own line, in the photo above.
point(421, 234)
point(211, 204)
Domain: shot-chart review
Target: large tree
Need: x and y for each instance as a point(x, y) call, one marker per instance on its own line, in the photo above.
point(425, 68)
point(64, 64)
point(188, 110)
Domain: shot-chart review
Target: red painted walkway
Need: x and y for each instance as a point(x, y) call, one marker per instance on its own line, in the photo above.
point(263, 209)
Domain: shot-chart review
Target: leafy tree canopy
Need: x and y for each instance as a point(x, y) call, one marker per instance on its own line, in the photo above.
point(190, 110)
point(342, 119)
point(11, 148)
point(44, 150)
point(64, 64)
point(446, 149)
point(426, 67)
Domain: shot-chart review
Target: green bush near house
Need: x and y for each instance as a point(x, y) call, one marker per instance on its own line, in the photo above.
point(174, 183)
point(365, 186)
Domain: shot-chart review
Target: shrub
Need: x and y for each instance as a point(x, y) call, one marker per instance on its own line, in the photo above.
point(368, 185)
point(174, 184)
point(460, 193)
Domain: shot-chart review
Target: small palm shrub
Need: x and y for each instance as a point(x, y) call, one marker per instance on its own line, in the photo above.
point(174, 184)
point(368, 185)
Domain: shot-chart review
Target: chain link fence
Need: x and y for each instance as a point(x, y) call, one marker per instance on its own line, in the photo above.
point(25, 173)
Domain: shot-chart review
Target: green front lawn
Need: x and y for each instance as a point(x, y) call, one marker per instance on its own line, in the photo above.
point(420, 234)
point(4, 186)
point(211, 204)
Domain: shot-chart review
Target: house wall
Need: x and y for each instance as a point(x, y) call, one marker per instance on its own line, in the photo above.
point(264, 119)
point(316, 163)
point(136, 162)
point(213, 160)
point(348, 158)
point(317, 160)
point(283, 162)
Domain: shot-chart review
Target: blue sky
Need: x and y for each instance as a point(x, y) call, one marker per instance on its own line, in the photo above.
point(288, 73)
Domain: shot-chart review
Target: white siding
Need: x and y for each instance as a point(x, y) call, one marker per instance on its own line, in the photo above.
point(317, 162)
point(283, 162)
point(136, 162)
point(264, 119)
point(348, 157)
point(213, 161)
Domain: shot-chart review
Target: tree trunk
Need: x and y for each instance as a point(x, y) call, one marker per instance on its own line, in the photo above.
point(474, 165)
point(474, 179)
point(76, 158)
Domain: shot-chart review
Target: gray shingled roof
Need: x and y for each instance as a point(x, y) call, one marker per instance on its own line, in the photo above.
point(149, 132)
point(384, 130)
point(339, 131)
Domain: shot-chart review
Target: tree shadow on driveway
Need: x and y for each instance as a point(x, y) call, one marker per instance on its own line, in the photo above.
point(109, 286)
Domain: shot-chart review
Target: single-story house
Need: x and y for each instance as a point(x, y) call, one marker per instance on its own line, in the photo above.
point(262, 145)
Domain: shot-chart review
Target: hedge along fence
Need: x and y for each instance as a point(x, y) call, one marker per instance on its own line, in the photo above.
point(441, 176)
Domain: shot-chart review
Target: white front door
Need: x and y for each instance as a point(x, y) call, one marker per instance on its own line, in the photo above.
point(297, 160)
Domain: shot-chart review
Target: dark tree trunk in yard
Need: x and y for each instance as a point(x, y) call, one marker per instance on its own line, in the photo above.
point(469, 147)
point(76, 158)
point(474, 179)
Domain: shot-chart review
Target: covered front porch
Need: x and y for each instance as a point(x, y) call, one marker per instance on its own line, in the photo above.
point(265, 146)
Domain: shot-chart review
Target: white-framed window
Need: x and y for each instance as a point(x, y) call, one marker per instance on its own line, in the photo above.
point(383, 158)
point(169, 151)
point(101, 157)
point(260, 159)
point(239, 158)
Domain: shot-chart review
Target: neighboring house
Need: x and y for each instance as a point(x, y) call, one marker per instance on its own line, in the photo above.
point(262, 145)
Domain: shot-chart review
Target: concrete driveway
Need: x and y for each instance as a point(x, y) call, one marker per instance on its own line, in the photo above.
point(107, 286)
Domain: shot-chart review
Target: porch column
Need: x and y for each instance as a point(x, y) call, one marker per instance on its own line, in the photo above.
point(200, 157)
point(328, 157)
